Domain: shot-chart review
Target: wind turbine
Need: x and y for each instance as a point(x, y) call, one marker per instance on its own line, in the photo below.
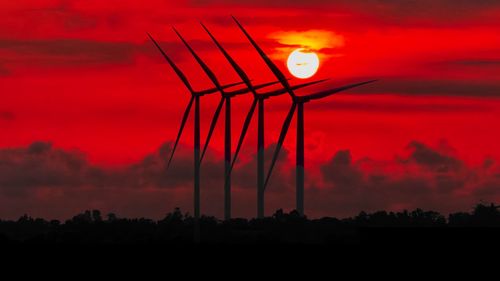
point(297, 105)
point(258, 99)
point(195, 97)
point(225, 100)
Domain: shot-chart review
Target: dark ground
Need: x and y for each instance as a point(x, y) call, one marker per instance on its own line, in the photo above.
point(481, 227)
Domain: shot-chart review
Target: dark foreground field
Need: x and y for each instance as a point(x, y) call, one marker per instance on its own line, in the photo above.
point(408, 228)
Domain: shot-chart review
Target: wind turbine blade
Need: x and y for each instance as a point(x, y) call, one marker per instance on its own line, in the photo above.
point(281, 139)
point(172, 64)
point(256, 87)
point(231, 85)
point(295, 87)
point(244, 130)
point(213, 90)
point(263, 85)
point(183, 123)
point(212, 126)
point(233, 63)
point(327, 93)
point(205, 68)
point(299, 86)
point(281, 77)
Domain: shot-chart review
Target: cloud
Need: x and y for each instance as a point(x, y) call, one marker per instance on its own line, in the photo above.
point(74, 53)
point(313, 40)
point(432, 159)
point(40, 165)
point(432, 87)
point(394, 95)
point(64, 13)
point(245, 174)
point(7, 115)
point(68, 52)
point(486, 62)
point(59, 181)
point(152, 171)
point(395, 108)
point(345, 174)
point(409, 87)
point(44, 179)
point(4, 71)
point(427, 177)
point(392, 11)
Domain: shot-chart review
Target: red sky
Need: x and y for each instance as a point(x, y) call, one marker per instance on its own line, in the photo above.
point(83, 76)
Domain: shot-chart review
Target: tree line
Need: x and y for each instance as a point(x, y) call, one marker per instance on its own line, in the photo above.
point(176, 228)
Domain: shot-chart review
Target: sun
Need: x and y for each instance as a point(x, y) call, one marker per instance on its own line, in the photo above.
point(302, 64)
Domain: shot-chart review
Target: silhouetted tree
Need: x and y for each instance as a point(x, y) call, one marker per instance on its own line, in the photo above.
point(112, 217)
point(96, 216)
point(281, 227)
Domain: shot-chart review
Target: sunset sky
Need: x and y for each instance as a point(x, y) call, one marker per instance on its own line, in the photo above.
point(89, 107)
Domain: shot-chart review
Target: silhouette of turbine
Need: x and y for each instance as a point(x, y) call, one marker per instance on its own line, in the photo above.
point(258, 99)
point(297, 104)
point(195, 97)
point(225, 100)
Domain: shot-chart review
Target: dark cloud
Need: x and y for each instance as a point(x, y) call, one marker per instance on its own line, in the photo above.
point(432, 159)
point(476, 62)
point(345, 174)
point(4, 71)
point(488, 163)
point(64, 52)
point(63, 13)
point(421, 12)
point(178, 51)
point(442, 12)
point(485, 68)
point(427, 177)
point(405, 86)
point(60, 181)
point(152, 170)
point(245, 174)
point(488, 189)
point(7, 115)
point(396, 85)
point(40, 165)
point(77, 53)
point(395, 4)
point(349, 188)
point(378, 107)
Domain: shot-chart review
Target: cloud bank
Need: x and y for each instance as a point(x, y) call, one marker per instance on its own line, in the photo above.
point(44, 180)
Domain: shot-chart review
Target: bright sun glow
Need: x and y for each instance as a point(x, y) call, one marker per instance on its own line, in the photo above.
point(302, 64)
